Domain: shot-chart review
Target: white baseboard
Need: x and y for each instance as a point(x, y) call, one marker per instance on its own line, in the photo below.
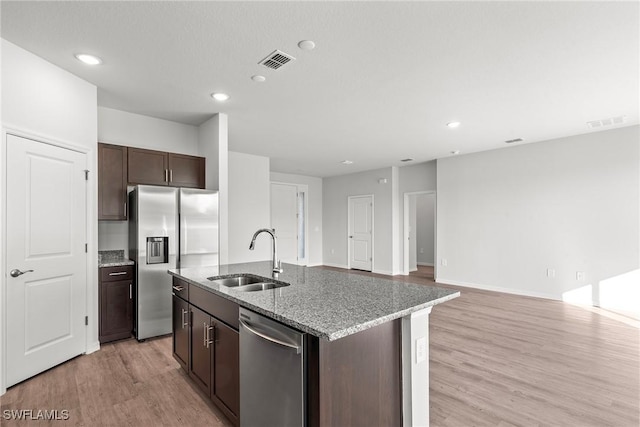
point(329, 264)
point(483, 287)
point(426, 264)
point(385, 272)
point(93, 347)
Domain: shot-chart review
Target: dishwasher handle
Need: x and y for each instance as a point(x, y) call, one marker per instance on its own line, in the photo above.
point(297, 348)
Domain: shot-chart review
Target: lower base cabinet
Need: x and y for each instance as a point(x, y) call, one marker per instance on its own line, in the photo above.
point(115, 303)
point(208, 349)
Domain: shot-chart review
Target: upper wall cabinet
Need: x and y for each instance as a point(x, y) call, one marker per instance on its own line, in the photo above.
point(186, 171)
point(160, 168)
point(112, 184)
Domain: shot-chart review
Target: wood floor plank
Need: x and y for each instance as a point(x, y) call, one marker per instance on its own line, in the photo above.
point(495, 360)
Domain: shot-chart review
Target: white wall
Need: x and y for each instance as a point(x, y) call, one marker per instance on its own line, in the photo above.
point(425, 228)
point(135, 130)
point(572, 204)
point(336, 190)
point(314, 209)
point(212, 138)
point(43, 101)
point(249, 208)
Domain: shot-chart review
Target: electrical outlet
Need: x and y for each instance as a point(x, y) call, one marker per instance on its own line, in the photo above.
point(551, 272)
point(333, 251)
point(421, 350)
point(443, 261)
point(421, 250)
point(580, 276)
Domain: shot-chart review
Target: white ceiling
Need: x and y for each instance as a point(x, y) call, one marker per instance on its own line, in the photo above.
point(382, 83)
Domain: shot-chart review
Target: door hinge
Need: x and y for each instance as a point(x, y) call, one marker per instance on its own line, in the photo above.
point(86, 320)
point(370, 259)
point(86, 248)
point(86, 174)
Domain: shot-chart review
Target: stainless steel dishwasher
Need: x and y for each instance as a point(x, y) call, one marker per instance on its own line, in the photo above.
point(272, 373)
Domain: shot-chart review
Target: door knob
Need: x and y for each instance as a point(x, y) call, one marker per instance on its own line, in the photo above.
point(351, 237)
point(15, 272)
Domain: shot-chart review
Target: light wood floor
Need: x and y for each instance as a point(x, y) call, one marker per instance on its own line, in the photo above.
point(496, 360)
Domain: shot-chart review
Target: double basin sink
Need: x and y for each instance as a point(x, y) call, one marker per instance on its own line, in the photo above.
point(247, 283)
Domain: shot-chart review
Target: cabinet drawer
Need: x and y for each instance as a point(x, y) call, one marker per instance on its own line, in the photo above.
point(111, 274)
point(216, 306)
point(181, 288)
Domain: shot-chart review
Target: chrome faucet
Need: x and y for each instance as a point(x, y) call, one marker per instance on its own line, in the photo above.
point(272, 232)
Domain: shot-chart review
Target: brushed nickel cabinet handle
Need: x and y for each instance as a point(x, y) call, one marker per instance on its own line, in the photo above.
point(184, 322)
point(170, 175)
point(117, 273)
point(178, 288)
point(166, 175)
point(209, 329)
point(130, 290)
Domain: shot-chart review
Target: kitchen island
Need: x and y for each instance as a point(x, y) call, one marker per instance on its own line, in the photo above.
point(367, 337)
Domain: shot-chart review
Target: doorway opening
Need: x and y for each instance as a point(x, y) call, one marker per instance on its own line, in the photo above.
point(419, 252)
point(290, 218)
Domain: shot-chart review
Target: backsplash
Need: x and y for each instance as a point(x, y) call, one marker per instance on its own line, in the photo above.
point(112, 255)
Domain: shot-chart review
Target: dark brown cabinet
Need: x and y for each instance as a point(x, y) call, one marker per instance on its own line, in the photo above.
point(186, 171)
point(209, 345)
point(161, 168)
point(115, 302)
point(147, 167)
point(226, 369)
point(201, 351)
point(112, 182)
point(181, 332)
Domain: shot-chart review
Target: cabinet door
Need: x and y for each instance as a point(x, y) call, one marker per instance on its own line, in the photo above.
point(181, 332)
point(112, 182)
point(116, 310)
point(186, 171)
point(201, 349)
point(147, 167)
point(226, 372)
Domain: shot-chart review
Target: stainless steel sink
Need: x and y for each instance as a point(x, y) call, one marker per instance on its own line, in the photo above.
point(260, 286)
point(234, 282)
point(247, 283)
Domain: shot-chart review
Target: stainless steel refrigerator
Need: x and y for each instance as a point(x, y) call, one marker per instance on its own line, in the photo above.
point(168, 228)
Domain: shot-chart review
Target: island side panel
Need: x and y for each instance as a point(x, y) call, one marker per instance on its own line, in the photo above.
point(358, 378)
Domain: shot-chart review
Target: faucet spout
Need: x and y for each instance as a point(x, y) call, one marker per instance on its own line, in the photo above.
point(272, 232)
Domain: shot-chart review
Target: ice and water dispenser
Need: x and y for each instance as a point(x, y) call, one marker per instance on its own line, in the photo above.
point(157, 250)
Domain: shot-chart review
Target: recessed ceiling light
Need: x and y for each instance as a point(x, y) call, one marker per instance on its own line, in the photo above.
point(453, 124)
point(258, 78)
point(454, 152)
point(88, 59)
point(406, 160)
point(219, 96)
point(306, 45)
point(347, 162)
point(511, 141)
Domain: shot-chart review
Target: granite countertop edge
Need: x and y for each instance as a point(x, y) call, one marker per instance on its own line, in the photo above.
point(331, 336)
point(119, 263)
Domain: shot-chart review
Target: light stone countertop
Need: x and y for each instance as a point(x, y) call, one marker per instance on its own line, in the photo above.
point(114, 258)
point(325, 303)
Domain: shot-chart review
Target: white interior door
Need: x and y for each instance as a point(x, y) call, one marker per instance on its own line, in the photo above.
point(284, 219)
point(361, 232)
point(46, 236)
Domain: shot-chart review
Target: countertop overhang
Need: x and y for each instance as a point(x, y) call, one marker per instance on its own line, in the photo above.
point(325, 303)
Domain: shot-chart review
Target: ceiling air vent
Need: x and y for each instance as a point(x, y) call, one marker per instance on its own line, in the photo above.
point(511, 141)
point(276, 59)
point(595, 124)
